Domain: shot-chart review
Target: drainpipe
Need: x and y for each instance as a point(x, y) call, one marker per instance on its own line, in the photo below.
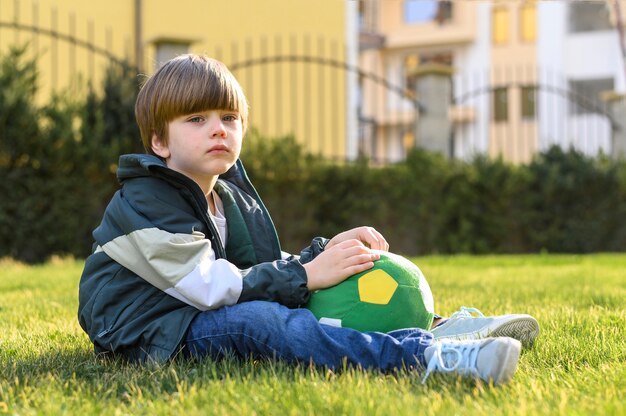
point(620, 32)
point(138, 35)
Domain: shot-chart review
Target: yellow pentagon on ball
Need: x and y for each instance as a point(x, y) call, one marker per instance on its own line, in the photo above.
point(377, 287)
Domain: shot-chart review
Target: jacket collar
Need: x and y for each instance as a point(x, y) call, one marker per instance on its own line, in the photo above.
point(138, 165)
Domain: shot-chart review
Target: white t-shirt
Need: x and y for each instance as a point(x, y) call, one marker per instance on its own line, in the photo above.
point(219, 219)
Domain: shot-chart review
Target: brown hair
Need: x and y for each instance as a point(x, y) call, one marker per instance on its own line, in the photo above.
point(185, 85)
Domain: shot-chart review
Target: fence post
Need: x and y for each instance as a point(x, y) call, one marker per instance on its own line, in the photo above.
point(433, 89)
point(617, 106)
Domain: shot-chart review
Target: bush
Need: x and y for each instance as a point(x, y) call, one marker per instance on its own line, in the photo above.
point(58, 162)
point(573, 203)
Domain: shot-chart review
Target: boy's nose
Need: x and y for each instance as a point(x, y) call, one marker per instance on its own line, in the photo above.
point(218, 130)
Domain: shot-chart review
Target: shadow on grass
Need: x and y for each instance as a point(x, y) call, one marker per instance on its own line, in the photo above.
point(81, 366)
point(116, 376)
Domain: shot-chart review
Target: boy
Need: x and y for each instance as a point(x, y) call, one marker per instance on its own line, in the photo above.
point(187, 260)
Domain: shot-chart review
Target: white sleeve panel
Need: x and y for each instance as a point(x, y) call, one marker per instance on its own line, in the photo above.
point(181, 263)
point(212, 284)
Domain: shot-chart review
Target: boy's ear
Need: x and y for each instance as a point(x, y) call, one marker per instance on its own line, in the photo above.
point(159, 147)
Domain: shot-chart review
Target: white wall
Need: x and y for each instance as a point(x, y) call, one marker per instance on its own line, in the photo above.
point(592, 55)
point(563, 57)
point(551, 33)
point(352, 93)
point(472, 73)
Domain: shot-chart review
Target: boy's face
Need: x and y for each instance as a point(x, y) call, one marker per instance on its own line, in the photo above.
point(202, 145)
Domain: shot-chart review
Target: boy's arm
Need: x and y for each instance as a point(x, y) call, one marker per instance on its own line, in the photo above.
point(184, 266)
point(290, 282)
point(152, 236)
point(155, 239)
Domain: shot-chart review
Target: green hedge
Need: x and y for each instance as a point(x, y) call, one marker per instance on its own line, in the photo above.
point(58, 161)
point(561, 202)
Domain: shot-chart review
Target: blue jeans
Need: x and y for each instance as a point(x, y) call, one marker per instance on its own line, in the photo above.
point(271, 330)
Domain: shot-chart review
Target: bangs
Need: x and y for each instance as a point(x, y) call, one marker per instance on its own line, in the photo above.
point(201, 85)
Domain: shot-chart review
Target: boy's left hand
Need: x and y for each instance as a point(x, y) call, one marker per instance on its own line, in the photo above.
point(367, 235)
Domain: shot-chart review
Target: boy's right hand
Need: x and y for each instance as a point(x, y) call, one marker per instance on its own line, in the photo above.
point(337, 263)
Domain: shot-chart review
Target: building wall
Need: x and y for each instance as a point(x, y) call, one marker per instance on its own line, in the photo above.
point(109, 25)
point(513, 64)
point(393, 115)
point(567, 57)
point(307, 100)
point(402, 34)
point(472, 76)
point(552, 28)
point(522, 47)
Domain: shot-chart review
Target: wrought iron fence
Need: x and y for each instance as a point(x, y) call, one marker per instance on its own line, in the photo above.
point(303, 86)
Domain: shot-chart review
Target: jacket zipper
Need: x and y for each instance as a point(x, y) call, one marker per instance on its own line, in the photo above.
point(253, 192)
point(218, 248)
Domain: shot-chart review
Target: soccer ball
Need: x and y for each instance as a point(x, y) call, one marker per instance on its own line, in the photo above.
point(392, 295)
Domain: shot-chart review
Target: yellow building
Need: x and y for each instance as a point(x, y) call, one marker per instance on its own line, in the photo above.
point(280, 50)
point(335, 73)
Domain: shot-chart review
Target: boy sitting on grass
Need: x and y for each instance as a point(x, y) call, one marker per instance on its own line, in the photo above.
point(187, 260)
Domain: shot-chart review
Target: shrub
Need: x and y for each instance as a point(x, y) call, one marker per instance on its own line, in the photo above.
point(58, 164)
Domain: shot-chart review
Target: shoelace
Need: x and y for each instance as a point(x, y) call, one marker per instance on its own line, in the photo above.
point(449, 357)
point(466, 312)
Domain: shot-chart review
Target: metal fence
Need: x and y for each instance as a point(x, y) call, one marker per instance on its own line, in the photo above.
point(302, 86)
point(69, 51)
point(522, 111)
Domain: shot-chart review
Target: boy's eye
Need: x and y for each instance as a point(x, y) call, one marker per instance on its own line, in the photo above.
point(230, 117)
point(196, 119)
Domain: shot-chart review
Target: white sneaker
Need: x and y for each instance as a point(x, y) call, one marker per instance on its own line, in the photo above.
point(470, 323)
point(492, 360)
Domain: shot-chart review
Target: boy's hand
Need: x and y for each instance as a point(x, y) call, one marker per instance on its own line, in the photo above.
point(337, 263)
point(367, 235)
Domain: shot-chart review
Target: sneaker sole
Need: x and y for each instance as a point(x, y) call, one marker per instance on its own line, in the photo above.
point(524, 329)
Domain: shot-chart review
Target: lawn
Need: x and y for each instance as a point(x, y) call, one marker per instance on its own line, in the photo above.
point(577, 366)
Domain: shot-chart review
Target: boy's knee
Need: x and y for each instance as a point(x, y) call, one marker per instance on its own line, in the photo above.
point(257, 312)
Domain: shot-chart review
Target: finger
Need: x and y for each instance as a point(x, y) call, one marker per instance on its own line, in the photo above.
point(382, 244)
point(359, 260)
point(358, 268)
point(372, 238)
point(358, 249)
point(352, 243)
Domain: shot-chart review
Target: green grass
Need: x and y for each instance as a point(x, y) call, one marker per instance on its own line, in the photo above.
point(577, 366)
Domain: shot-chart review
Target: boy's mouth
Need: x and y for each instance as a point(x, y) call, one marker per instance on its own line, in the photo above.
point(218, 148)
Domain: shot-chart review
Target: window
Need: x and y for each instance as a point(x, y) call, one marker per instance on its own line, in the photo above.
point(585, 94)
point(500, 104)
point(424, 11)
point(500, 25)
point(589, 16)
point(166, 50)
point(529, 101)
point(528, 23)
point(408, 141)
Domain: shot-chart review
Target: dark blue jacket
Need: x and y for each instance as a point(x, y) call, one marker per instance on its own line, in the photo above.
point(158, 260)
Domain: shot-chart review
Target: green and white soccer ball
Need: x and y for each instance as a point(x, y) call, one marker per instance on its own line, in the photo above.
point(394, 294)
